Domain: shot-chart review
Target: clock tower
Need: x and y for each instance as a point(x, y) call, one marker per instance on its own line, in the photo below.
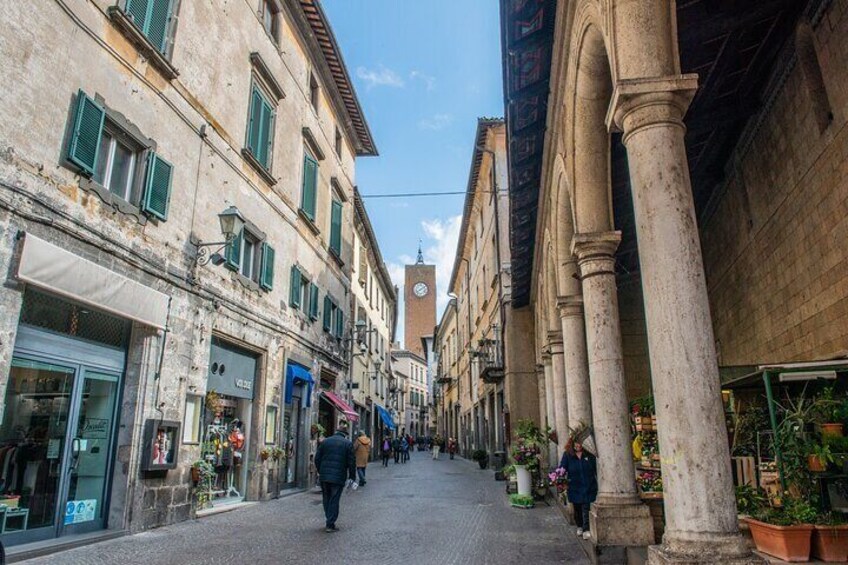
point(419, 300)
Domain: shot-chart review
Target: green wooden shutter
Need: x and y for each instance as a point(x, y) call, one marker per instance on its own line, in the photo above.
point(85, 137)
point(157, 187)
point(264, 134)
point(310, 176)
point(266, 279)
point(157, 25)
point(328, 312)
point(340, 319)
point(336, 227)
point(137, 9)
point(313, 302)
point(253, 121)
point(233, 252)
point(294, 291)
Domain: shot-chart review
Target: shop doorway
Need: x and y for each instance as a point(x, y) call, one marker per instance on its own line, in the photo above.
point(293, 427)
point(226, 441)
point(57, 436)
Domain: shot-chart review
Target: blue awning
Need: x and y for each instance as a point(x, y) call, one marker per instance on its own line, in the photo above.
point(386, 417)
point(298, 374)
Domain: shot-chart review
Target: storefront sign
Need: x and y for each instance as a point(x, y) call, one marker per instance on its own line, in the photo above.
point(232, 370)
point(78, 511)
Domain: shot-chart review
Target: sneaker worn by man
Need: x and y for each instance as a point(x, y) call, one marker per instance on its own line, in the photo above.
point(331, 529)
point(587, 535)
point(579, 532)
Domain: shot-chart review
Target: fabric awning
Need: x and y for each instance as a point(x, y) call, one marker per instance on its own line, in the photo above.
point(297, 373)
point(341, 405)
point(386, 417)
point(59, 271)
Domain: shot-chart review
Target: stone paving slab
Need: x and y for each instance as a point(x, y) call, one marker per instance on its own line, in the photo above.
point(440, 512)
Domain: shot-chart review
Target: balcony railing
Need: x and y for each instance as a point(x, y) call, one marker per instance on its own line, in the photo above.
point(490, 359)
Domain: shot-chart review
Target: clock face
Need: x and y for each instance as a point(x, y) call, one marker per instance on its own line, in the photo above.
point(420, 289)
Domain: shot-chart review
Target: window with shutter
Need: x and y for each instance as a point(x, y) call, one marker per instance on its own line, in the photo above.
point(339, 322)
point(295, 291)
point(153, 18)
point(157, 190)
point(313, 302)
point(336, 228)
point(85, 137)
point(328, 312)
point(266, 279)
point(310, 182)
point(260, 128)
point(233, 252)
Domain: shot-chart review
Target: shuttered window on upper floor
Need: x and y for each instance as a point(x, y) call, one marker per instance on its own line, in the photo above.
point(260, 128)
point(309, 188)
point(119, 161)
point(336, 228)
point(153, 18)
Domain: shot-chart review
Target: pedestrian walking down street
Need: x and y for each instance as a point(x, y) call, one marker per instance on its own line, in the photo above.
point(411, 443)
point(361, 448)
point(386, 450)
point(437, 445)
point(396, 449)
point(404, 450)
point(451, 447)
point(582, 471)
point(336, 465)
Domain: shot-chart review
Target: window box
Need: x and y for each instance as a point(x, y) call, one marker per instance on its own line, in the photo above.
point(142, 43)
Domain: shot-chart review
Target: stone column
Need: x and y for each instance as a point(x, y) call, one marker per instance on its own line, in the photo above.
point(549, 400)
point(543, 397)
point(700, 508)
point(618, 518)
point(576, 362)
point(560, 394)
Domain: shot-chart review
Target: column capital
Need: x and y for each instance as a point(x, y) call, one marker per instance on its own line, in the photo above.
point(639, 103)
point(555, 342)
point(570, 306)
point(596, 252)
point(546, 356)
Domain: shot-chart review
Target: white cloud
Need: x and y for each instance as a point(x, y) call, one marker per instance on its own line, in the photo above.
point(436, 122)
point(440, 250)
point(381, 76)
point(428, 80)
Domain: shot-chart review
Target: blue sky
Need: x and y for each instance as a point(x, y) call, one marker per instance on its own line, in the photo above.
point(424, 71)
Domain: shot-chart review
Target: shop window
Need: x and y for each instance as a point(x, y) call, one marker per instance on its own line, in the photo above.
point(192, 419)
point(271, 425)
point(119, 161)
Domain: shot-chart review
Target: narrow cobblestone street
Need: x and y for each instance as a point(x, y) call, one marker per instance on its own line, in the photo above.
point(419, 513)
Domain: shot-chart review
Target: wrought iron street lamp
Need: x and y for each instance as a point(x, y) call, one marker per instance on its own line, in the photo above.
point(232, 222)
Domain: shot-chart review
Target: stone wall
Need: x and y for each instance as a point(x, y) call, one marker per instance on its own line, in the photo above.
point(774, 244)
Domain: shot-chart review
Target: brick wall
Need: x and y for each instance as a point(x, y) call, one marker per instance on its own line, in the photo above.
point(775, 245)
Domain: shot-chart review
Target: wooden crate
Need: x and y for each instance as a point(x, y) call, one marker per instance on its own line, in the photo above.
point(744, 471)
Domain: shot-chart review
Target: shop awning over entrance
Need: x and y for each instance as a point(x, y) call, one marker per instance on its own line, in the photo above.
point(349, 412)
point(54, 269)
point(386, 417)
point(298, 374)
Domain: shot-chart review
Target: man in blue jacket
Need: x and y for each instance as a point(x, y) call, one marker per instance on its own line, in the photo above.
point(336, 463)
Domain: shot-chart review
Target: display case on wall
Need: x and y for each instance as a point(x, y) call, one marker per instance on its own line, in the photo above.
point(161, 445)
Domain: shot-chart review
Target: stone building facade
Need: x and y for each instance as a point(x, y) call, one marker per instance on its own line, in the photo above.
point(481, 368)
point(375, 307)
point(676, 195)
point(413, 410)
point(128, 128)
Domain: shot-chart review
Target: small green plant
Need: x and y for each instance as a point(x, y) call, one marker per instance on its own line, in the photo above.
point(521, 501)
point(794, 511)
point(479, 455)
point(205, 474)
point(750, 499)
point(822, 452)
point(831, 519)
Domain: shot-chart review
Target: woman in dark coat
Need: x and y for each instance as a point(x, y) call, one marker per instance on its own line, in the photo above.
point(582, 470)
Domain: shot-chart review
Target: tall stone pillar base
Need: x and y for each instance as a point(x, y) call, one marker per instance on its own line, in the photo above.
point(623, 525)
point(711, 550)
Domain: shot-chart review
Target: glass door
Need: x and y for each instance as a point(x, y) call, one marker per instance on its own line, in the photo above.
point(291, 427)
point(90, 461)
point(32, 448)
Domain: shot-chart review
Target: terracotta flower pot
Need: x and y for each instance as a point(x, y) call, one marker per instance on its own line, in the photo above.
point(833, 430)
point(790, 543)
point(830, 543)
point(195, 475)
point(815, 464)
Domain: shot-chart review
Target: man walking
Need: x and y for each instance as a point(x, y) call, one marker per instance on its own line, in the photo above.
point(362, 448)
point(336, 464)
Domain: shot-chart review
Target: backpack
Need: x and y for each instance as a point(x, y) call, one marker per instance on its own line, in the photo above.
point(386, 445)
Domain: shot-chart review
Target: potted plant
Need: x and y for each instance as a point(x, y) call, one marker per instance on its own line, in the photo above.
point(526, 458)
point(317, 430)
point(750, 499)
point(277, 453)
point(203, 475)
point(481, 456)
point(521, 501)
point(830, 412)
point(213, 402)
point(264, 453)
point(785, 533)
point(830, 539)
point(819, 457)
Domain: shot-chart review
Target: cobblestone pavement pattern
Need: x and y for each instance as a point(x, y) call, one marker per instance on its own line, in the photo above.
point(440, 512)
